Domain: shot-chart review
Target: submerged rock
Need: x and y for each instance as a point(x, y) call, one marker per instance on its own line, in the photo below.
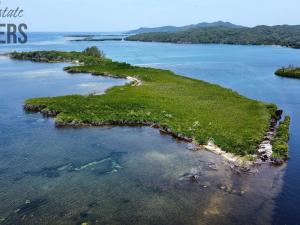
point(49, 172)
point(194, 178)
point(191, 147)
point(231, 190)
point(277, 162)
point(212, 166)
point(30, 206)
point(105, 165)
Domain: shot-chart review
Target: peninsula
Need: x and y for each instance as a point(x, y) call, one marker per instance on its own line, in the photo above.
point(188, 109)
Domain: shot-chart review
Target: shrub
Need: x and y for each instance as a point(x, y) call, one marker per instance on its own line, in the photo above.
point(94, 51)
point(280, 141)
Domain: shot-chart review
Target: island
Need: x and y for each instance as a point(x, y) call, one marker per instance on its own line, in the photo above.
point(94, 37)
point(204, 114)
point(291, 71)
point(283, 35)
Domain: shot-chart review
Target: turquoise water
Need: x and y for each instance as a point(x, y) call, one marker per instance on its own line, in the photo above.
point(121, 175)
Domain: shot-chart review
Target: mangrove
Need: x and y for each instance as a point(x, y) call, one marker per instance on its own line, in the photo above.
point(188, 109)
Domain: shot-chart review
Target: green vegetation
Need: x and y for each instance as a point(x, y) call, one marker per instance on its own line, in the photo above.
point(183, 106)
point(250, 157)
point(94, 52)
point(293, 72)
point(183, 28)
point(280, 141)
point(98, 39)
point(285, 35)
point(85, 57)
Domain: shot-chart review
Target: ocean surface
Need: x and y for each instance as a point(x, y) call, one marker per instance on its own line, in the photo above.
point(126, 175)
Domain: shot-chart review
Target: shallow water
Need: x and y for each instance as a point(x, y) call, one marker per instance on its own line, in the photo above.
point(121, 175)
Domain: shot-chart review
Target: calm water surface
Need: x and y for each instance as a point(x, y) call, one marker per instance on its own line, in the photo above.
point(121, 175)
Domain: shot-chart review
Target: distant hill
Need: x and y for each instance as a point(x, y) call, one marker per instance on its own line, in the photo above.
point(183, 28)
point(283, 35)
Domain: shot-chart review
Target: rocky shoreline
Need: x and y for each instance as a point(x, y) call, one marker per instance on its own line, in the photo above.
point(265, 148)
point(264, 152)
point(237, 163)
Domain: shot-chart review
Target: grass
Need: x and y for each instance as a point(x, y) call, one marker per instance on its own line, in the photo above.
point(186, 106)
point(292, 72)
point(280, 141)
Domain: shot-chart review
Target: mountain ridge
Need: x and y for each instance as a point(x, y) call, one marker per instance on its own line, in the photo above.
point(183, 28)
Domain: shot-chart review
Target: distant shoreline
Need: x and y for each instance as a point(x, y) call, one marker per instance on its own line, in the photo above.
point(204, 43)
point(285, 36)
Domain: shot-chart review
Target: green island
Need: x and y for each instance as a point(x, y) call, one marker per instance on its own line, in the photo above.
point(284, 35)
point(188, 109)
point(97, 39)
point(292, 72)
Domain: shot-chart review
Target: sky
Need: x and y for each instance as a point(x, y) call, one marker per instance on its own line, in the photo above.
point(123, 15)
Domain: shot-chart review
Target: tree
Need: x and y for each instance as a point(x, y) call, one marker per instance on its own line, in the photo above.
point(94, 51)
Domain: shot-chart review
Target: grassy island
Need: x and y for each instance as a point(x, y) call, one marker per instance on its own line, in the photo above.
point(189, 109)
point(292, 72)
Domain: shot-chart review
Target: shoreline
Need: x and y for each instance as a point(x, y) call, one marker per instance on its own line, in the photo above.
point(205, 43)
point(236, 162)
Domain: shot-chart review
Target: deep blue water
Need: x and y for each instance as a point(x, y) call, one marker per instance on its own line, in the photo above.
point(29, 142)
